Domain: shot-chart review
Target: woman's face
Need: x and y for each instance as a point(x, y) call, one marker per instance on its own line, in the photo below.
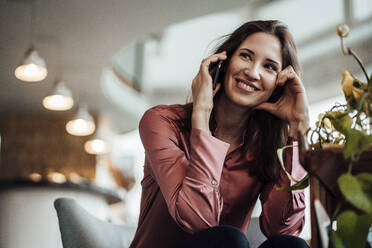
point(251, 75)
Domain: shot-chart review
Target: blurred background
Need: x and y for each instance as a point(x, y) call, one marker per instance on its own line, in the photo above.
point(68, 122)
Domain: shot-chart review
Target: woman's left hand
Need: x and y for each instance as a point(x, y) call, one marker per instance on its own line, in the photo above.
point(292, 106)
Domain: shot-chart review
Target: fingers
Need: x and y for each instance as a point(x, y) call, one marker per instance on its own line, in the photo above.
point(269, 107)
point(211, 59)
point(202, 83)
point(288, 74)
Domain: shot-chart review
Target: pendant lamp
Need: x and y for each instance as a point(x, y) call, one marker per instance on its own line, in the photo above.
point(96, 147)
point(60, 99)
point(82, 124)
point(32, 67)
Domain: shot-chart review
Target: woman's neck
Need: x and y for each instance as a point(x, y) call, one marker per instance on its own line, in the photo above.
point(231, 120)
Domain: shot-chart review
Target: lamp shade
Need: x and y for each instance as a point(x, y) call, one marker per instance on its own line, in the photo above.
point(82, 124)
point(32, 67)
point(96, 146)
point(59, 99)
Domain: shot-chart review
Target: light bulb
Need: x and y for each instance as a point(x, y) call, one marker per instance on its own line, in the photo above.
point(56, 177)
point(80, 127)
point(35, 177)
point(96, 146)
point(58, 102)
point(30, 73)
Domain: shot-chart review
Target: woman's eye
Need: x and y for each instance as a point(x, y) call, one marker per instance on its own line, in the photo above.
point(246, 55)
point(271, 67)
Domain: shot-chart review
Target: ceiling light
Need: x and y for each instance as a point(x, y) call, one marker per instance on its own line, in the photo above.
point(82, 124)
point(60, 99)
point(32, 67)
point(75, 178)
point(56, 177)
point(35, 177)
point(96, 147)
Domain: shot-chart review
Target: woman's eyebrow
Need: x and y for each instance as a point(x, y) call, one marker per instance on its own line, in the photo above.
point(250, 51)
point(273, 61)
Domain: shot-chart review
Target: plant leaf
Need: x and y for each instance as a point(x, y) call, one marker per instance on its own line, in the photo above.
point(352, 188)
point(340, 120)
point(356, 142)
point(365, 180)
point(353, 229)
point(299, 185)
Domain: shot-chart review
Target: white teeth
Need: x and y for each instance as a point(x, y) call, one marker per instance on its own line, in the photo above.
point(247, 87)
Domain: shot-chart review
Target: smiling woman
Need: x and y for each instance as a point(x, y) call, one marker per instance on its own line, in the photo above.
point(251, 75)
point(207, 162)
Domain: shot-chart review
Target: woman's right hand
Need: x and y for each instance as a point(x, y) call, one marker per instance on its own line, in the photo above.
point(203, 93)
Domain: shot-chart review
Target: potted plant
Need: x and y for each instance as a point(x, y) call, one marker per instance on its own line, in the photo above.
point(338, 153)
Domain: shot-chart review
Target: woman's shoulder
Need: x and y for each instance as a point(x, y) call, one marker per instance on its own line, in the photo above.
point(167, 117)
point(174, 112)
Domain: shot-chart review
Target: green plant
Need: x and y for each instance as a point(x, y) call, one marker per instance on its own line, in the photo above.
point(348, 126)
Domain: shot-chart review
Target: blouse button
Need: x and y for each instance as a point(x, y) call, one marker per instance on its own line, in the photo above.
point(214, 182)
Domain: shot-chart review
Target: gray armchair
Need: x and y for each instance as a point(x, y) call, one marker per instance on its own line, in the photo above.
point(79, 229)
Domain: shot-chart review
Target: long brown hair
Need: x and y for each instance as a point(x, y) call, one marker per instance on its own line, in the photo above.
point(265, 132)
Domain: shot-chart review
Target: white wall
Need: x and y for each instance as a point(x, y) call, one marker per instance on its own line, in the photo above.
point(28, 218)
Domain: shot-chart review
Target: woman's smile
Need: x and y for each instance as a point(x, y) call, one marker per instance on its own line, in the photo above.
point(245, 85)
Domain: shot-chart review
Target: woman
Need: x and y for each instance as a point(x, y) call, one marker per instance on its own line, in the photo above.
point(208, 162)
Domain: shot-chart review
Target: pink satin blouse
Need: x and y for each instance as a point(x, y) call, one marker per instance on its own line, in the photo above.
point(190, 183)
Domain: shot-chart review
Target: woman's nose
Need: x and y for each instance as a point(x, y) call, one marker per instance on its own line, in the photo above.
point(252, 72)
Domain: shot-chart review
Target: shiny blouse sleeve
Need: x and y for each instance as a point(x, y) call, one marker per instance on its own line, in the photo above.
point(282, 211)
point(190, 185)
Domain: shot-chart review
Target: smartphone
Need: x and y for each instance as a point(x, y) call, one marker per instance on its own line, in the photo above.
point(215, 80)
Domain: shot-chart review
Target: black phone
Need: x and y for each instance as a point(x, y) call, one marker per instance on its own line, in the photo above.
point(215, 79)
